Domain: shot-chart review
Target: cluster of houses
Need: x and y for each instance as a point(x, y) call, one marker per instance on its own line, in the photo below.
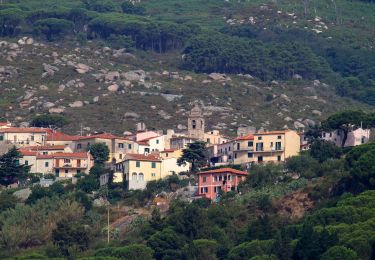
point(152, 155)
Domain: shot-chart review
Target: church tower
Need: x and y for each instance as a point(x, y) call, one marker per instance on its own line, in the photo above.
point(196, 123)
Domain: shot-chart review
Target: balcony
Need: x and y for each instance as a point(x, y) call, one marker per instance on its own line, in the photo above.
point(269, 150)
point(244, 149)
point(71, 166)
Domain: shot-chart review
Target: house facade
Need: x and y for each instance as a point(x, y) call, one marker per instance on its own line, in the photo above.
point(274, 146)
point(213, 182)
point(23, 136)
point(355, 137)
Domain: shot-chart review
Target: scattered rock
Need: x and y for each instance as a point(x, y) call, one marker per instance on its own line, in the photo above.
point(76, 104)
point(316, 113)
point(297, 77)
point(95, 99)
point(57, 110)
point(135, 75)
point(285, 97)
point(298, 125)
point(288, 119)
point(112, 75)
point(217, 76)
point(43, 87)
point(61, 88)
point(131, 115)
point(82, 68)
point(48, 105)
point(309, 122)
point(113, 88)
point(164, 115)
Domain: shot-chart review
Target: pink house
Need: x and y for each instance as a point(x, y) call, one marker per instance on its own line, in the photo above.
point(223, 180)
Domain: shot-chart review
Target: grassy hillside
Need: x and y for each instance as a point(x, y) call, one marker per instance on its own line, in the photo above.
point(271, 40)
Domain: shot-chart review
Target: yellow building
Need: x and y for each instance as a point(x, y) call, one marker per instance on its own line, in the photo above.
point(274, 146)
point(138, 169)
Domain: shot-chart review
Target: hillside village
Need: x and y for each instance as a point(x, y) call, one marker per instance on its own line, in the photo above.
point(148, 155)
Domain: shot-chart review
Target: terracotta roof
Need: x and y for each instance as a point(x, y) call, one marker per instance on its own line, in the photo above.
point(44, 147)
point(28, 153)
point(148, 138)
point(245, 138)
point(58, 136)
point(25, 130)
point(273, 132)
point(169, 150)
point(44, 156)
point(70, 155)
point(142, 157)
point(143, 143)
point(4, 124)
point(224, 170)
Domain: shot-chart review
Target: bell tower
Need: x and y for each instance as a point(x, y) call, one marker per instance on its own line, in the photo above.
point(196, 123)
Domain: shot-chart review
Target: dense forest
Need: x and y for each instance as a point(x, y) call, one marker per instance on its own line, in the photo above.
point(272, 49)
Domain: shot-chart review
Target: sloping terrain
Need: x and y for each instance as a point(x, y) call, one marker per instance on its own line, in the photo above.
point(101, 88)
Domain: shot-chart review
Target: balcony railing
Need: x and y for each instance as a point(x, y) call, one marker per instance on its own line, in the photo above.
point(269, 150)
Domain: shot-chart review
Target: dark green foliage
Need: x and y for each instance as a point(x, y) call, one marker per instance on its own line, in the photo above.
point(38, 192)
point(219, 53)
point(166, 243)
point(130, 8)
point(100, 152)
point(52, 28)
point(196, 154)
point(263, 175)
point(339, 253)
point(303, 165)
point(88, 184)
point(9, 20)
point(202, 249)
point(101, 6)
point(120, 41)
point(7, 201)
point(69, 237)
point(324, 150)
point(10, 169)
point(130, 252)
point(250, 249)
point(49, 120)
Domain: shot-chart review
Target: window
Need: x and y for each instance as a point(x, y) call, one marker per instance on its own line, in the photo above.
point(259, 146)
point(229, 177)
point(141, 177)
point(57, 172)
point(79, 146)
point(324, 134)
point(121, 145)
point(249, 155)
point(259, 138)
point(157, 141)
point(260, 158)
point(66, 160)
point(279, 137)
point(235, 155)
point(153, 165)
point(120, 156)
point(134, 176)
point(330, 134)
point(147, 150)
point(194, 124)
point(46, 164)
point(238, 146)
point(78, 171)
point(278, 146)
point(1, 138)
point(45, 153)
point(32, 138)
point(363, 139)
point(204, 189)
point(208, 140)
point(220, 178)
point(217, 189)
point(153, 174)
point(250, 143)
point(166, 155)
point(215, 178)
point(26, 162)
point(129, 146)
point(229, 148)
point(279, 158)
point(66, 171)
point(137, 164)
point(271, 144)
point(204, 179)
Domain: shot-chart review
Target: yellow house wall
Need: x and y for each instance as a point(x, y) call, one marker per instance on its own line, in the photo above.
point(145, 168)
point(170, 166)
point(24, 139)
point(292, 144)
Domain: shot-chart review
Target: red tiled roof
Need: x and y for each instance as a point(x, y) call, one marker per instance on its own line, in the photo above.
point(169, 150)
point(58, 136)
point(148, 138)
point(142, 157)
point(28, 153)
point(245, 138)
point(44, 147)
point(25, 130)
point(4, 124)
point(44, 156)
point(70, 155)
point(224, 170)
